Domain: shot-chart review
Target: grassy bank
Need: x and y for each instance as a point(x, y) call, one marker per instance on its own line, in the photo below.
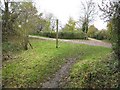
point(94, 72)
point(34, 66)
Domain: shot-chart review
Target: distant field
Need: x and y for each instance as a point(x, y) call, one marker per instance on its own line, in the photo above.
point(32, 67)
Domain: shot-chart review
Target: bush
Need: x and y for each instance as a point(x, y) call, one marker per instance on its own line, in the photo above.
point(91, 31)
point(49, 34)
point(101, 35)
point(72, 35)
point(64, 34)
point(9, 49)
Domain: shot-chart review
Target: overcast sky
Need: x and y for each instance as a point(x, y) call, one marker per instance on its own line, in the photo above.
point(63, 9)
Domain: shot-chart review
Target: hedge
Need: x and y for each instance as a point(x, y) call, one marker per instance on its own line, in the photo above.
point(72, 35)
point(64, 34)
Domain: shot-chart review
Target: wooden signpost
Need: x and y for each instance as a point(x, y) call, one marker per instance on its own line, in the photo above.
point(57, 33)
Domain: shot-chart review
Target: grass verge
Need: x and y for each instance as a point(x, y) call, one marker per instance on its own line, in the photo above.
point(32, 67)
point(94, 72)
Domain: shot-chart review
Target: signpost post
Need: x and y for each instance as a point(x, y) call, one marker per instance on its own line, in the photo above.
point(57, 33)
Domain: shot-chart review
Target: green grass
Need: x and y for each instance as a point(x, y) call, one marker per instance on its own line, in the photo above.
point(34, 66)
point(94, 70)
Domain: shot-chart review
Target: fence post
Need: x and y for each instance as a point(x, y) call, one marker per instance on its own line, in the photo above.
point(57, 33)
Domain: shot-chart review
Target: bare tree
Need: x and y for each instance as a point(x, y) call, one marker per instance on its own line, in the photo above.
point(51, 20)
point(87, 14)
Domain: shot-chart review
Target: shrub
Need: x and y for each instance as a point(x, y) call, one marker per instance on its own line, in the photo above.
point(9, 49)
point(72, 35)
point(64, 34)
point(91, 31)
point(101, 35)
point(49, 34)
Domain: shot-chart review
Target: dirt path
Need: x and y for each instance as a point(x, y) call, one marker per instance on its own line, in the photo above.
point(91, 41)
point(57, 81)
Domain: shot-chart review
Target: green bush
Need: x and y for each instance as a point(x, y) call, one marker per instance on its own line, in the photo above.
point(72, 35)
point(101, 35)
point(49, 34)
point(11, 46)
point(91, 31)
point(9, 49)
point(64, 34)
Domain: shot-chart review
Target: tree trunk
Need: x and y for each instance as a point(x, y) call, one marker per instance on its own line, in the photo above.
point(5, 23)
point(25, 43)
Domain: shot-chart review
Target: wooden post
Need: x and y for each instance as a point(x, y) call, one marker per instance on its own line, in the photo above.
point(57, 33)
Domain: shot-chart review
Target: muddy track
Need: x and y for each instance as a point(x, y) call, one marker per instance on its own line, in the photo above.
point(57, 80)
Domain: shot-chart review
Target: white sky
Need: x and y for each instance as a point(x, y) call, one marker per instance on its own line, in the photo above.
point(63, 9)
